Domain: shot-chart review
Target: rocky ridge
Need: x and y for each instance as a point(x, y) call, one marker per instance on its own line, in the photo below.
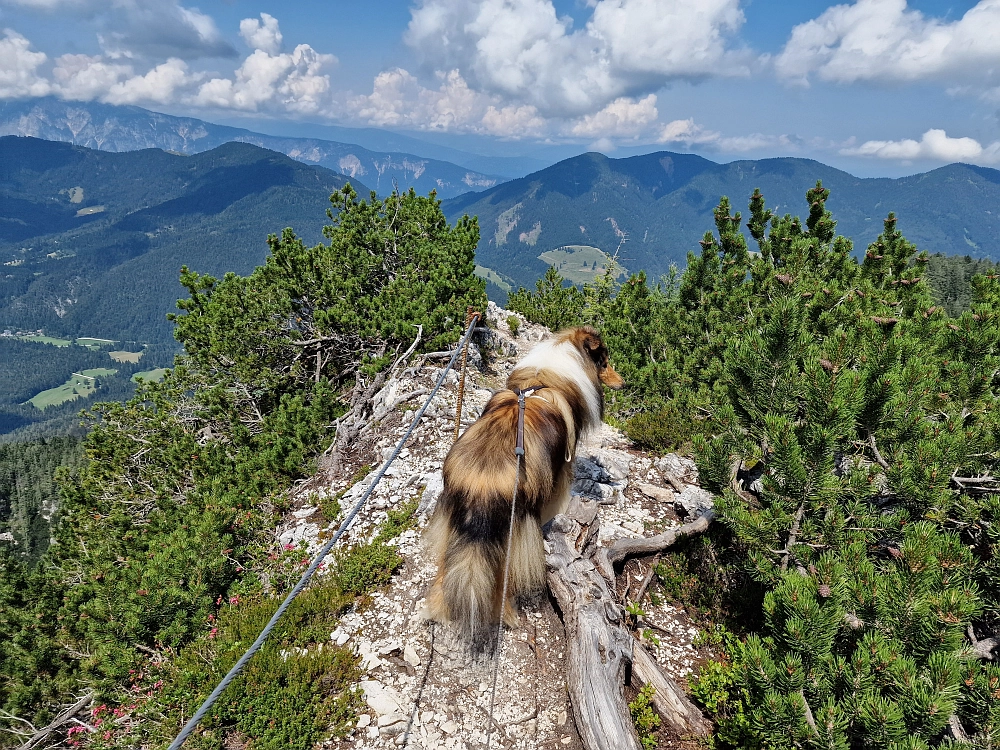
point(422, 688)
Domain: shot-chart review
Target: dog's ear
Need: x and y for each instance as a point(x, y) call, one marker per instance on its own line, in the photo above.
point(592, 343)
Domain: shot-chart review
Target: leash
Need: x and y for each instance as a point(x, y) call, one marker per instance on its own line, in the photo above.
point(238, 667)
point(471, 315)
point(519, 452)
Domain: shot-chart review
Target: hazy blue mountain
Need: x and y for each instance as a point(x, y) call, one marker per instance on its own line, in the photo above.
point(662, 205)
point(125, 128)
point(91, 242)
point(509, 167)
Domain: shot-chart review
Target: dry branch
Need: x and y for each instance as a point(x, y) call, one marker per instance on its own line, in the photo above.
point(63, 718)
point(649, 545)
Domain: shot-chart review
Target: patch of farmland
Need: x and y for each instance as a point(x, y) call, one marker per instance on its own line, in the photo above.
point(80, 385)
point(123, 356)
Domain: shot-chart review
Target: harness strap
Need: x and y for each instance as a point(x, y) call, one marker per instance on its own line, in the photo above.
point(521, 395)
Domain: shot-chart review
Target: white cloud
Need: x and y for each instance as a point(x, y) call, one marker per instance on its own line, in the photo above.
point(143, 28)
point(688, 133)
point(935, 145)
point(19, 67)
point(399, 100)
point(158, 85)
point(521, 49)
point(86, 77)
point(291, 81)
point(622, 118)
point(513, 121)
point(885, 40)
point(263, 35)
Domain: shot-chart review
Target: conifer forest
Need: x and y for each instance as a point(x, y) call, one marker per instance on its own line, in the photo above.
point(841, 403)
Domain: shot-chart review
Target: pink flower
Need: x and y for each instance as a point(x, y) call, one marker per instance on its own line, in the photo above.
point(289, 547)
point(106, 735)
point(212, 632)
point(234, 600)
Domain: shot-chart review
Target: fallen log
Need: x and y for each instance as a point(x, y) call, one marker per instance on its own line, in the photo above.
point(600, 648)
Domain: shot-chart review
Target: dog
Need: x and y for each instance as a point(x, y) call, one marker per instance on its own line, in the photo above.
point(562, 379)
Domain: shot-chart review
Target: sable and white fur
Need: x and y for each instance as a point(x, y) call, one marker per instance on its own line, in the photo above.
point(468, 532)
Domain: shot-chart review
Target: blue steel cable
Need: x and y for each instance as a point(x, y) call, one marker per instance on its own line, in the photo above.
point(238, 667)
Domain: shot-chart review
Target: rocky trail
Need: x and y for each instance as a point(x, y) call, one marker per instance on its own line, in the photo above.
point(422, 687)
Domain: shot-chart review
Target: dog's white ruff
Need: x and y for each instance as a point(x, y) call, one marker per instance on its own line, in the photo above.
point(565, 359)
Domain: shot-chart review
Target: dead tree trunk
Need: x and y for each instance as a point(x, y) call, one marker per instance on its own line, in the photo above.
point(600, 648)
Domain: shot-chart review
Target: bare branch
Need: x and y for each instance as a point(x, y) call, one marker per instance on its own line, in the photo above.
point(878, 456)
point(627, 547)
point(792, 534)
point(64, 717)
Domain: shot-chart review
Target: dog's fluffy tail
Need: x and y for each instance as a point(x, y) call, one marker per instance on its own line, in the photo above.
point(469, 584)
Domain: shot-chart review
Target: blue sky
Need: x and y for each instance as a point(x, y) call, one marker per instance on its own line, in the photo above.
point(877, 87)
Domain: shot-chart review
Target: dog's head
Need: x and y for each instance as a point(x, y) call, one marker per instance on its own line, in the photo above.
point(591, 345)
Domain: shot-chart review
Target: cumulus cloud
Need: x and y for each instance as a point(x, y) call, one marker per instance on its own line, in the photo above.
point(521, 49)
point(888, 41)
point(143, 28)
point(292, 81)
point(19, 67)
point(935, 145)
point(263, 34)
point(87, 77)
point(688, 133)
point(158, 85)
point(267, 79)
point(622, 118)
point(399, 100)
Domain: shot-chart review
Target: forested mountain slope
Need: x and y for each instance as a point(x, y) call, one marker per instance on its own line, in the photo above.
point(126, 128)
point(661, 203)
point(92, 242)
point(846, 423)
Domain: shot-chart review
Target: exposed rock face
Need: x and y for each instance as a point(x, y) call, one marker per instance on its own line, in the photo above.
point(422, 687)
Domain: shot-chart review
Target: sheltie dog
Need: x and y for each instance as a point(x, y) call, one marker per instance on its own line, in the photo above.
point(563, 376)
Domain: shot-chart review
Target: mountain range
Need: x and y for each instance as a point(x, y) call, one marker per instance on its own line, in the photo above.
point(91, 242)
point(654, 208)
point(126, 128)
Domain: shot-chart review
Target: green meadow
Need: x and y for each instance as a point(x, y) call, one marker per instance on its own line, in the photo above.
point(80, 384)
point(581, 264)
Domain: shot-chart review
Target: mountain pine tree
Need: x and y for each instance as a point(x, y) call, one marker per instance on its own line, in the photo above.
point(847, 410)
